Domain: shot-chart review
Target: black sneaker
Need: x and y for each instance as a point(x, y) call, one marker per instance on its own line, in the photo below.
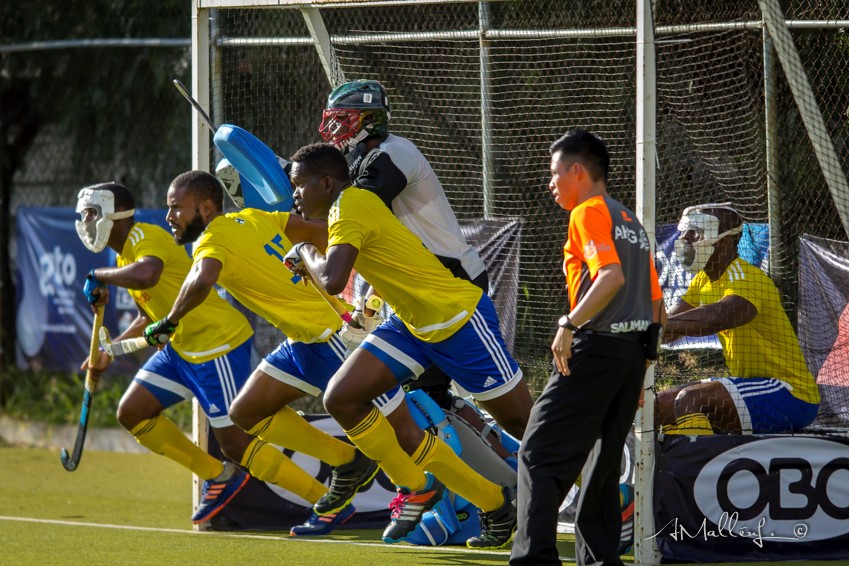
point(496, 526)
point(347, 480)
point(409, 506)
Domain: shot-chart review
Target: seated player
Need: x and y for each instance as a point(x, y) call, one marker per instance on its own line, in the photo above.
point(243, 253)
point(770, 389)
point(438, 319)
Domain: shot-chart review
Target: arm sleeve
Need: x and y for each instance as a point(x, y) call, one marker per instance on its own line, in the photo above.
point(346, 225)
point(212, 248)
point(150, 246)
point(691, 296)
point(592, 229)
point(379, 174)
point(746, 287)
point(656, 292)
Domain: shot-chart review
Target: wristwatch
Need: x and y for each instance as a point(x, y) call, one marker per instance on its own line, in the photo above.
point(564, 322)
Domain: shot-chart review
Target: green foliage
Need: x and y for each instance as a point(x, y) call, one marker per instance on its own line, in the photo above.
point(55, 398)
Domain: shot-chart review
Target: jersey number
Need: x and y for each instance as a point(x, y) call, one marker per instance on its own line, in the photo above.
point(278, 241)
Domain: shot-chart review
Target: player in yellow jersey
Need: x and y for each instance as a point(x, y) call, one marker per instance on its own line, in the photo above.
point(243, 253)
point(438, 319)
point(770, 389)
point(208, 358)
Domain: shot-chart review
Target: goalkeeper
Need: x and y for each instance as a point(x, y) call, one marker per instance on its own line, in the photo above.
point(243, 253)
point(208, 357)
point(438, 319)
point(356, 121)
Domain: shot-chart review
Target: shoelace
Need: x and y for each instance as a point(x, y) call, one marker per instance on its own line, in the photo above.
point(397, 505)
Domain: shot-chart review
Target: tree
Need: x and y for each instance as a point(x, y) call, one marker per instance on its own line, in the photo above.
point(113, 107)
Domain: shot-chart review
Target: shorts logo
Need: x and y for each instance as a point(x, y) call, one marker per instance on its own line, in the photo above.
point(489, 382)
point(213, 408)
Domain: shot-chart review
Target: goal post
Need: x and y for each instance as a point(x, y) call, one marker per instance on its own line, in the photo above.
point(694, 104)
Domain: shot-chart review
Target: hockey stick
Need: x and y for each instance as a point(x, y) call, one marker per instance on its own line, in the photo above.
point(182, 88)
point(121, 347)
point(73, 460)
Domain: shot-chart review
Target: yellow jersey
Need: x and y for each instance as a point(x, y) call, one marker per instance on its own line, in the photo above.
point(207, 332)
point(766, 346)
point(250, 244)
point(429, 300)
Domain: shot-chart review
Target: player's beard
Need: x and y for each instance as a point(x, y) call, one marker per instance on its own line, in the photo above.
point(192, 231)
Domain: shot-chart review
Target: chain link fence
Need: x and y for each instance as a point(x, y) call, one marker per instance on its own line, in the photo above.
point(483, 89)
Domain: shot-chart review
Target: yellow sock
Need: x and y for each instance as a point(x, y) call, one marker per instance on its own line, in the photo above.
point(161, 436)
point(270, 465)
point(289, 429)
point(375, 437)
point(692, 424)
point(439, 459)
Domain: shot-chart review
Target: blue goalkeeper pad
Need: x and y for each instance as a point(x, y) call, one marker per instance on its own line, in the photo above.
point(257, 165)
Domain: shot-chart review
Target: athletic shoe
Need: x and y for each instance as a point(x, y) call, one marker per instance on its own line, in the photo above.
point(626, 500)
point(216, 495)
point(322, 524)
point(497, 526)
point(409, 506)
point(347, 480)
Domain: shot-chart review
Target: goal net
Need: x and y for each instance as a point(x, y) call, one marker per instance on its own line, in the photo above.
point(742, 116)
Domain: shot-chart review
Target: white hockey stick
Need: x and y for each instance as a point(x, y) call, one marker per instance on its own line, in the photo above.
point(122, 347)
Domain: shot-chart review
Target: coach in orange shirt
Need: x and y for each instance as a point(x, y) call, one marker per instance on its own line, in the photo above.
point(600, 353)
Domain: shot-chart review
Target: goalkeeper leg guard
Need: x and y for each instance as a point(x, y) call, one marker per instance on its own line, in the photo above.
point(161, 436)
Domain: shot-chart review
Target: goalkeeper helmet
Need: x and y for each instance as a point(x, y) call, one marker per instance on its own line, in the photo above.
point(356, 111)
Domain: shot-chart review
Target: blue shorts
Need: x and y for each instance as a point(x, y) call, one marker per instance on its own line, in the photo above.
point(766, 405)
point(475, 356)
point(214, 384)
point(309, 367)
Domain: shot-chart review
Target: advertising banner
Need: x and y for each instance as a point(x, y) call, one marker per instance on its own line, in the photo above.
point(758, 498)
point(53, 318)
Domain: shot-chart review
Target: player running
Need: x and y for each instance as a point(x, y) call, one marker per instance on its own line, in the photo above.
point(243, 253)
point(356, 121)
point(438, 319)
point(208, 357)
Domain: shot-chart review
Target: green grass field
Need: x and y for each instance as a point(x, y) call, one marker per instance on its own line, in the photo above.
point(135, 508)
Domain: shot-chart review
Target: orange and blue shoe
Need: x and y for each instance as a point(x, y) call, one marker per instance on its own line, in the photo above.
point(409, 506)
point(217, 494)
point(322, 524)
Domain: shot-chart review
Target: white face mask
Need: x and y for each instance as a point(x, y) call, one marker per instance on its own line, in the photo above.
point(695, 255)
point(96, 208)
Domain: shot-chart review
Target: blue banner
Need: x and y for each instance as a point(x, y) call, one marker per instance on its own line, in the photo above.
point(54, 319)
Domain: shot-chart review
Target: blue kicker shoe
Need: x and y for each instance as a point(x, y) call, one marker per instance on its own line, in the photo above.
point(322, 524)
point(216, 495)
